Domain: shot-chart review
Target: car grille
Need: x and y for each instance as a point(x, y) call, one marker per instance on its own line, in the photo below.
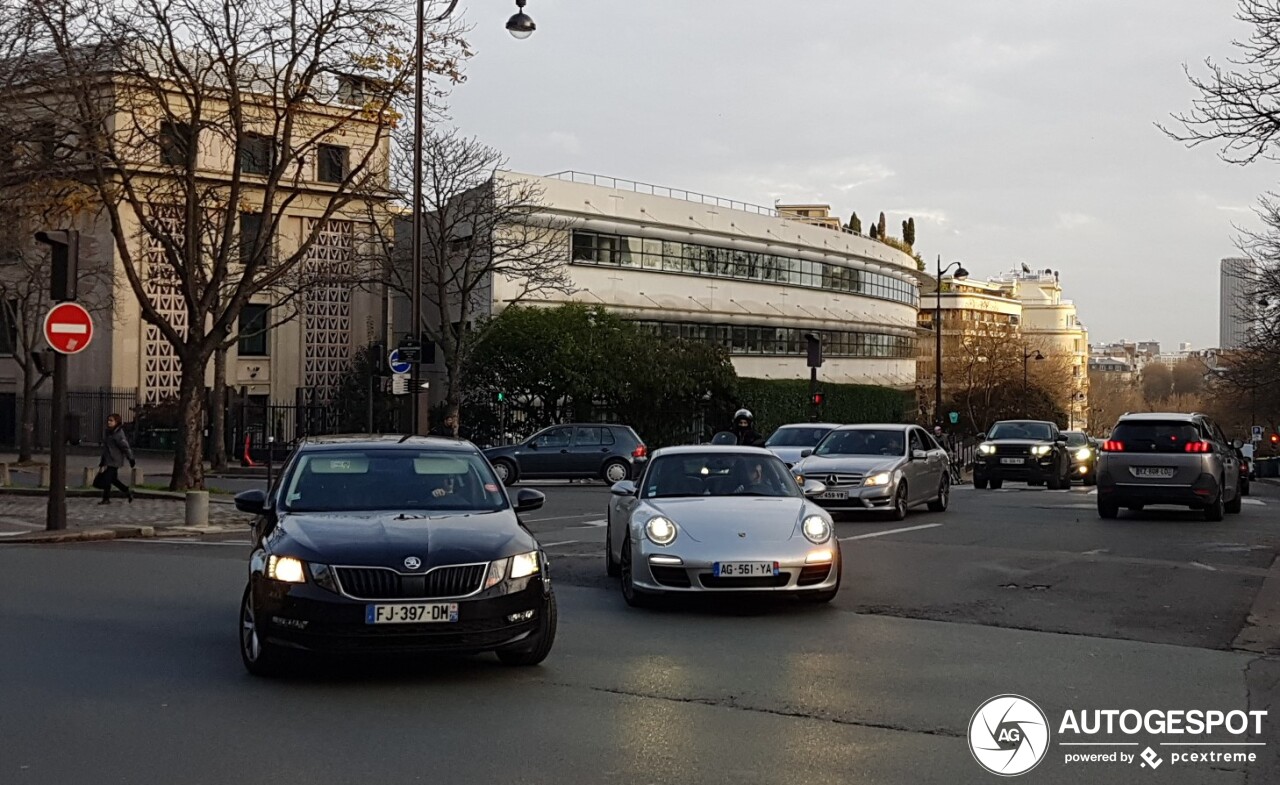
point(379, 583)
point(837, 479)
point(768, 582)
point(1013, 449)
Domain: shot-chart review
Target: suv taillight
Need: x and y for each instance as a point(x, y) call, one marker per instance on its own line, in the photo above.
point(1198, 447)
point(1111, 445)
point(639, 452)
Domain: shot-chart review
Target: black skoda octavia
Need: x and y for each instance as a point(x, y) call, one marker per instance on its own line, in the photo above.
point(396, 544)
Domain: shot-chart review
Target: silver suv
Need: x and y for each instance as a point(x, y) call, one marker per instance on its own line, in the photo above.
point(1163, 458)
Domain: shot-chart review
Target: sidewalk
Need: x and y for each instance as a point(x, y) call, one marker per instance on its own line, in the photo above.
point(23, 515)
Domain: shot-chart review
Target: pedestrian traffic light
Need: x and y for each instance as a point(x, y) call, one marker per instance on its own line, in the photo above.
point(502, 397)
point(817, 399)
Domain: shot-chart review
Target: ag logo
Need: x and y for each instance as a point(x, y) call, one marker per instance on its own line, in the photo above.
point(1008, 735)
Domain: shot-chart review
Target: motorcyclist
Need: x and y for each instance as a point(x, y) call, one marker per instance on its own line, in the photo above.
point(744, 429)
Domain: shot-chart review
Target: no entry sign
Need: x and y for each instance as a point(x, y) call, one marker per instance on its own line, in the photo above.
point(68, 328)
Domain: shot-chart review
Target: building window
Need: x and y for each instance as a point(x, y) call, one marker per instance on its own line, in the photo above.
point(253, 331)
point(786, 341)
point(331, 164)
point(176, 141)
point(250, 225)
point(257, 154)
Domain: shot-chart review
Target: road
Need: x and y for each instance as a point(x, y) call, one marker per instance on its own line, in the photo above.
point(120, 661)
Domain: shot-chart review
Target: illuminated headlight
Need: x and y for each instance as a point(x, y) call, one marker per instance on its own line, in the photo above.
point(286, 569)
point(1041, 449)
point(660, 531)
point(986, 449)
point(816, 529)
point(883, 478)
point(523, 565)
point(1083, 454)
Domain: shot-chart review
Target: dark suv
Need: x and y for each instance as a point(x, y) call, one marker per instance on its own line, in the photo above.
point(1030, 451)
point(561, 452)
point(1164, 458)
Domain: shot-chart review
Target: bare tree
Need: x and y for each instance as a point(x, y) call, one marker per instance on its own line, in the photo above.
point(481, 225)
point(227, 140)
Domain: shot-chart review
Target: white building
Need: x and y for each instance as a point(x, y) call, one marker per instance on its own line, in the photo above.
point(1237, 277)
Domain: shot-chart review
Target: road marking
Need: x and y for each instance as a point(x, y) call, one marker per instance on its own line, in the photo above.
point(1256, 502)
point(890, 531)
point(1204, 566)
point(554, 544)
point(592, 524)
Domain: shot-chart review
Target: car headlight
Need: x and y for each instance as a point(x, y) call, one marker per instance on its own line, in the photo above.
point(881, 478)
point(286, 569)
point(660, 531)
point(1083, 454)
point(986, 449)
point(816, 529)
point(523, 565)
point(1041, 449)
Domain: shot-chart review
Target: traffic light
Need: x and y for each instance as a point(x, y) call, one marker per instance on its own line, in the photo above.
point(502, 397)
point(64, 246)
point(814, 349)
point(817, 399)
point(1275, 438)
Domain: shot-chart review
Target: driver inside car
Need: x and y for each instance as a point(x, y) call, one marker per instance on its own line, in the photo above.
point(753, 479)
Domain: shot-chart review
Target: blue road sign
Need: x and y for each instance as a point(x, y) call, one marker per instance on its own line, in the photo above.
point(395, 363)
point(1257, 433)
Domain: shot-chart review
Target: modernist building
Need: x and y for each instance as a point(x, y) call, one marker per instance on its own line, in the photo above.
point(748, 277)
point(1237, 280)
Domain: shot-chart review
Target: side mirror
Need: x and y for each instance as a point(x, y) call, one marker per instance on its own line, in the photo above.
point(806, 453)
point(528, 500)
point(814, 488)
point(623, 488)
point(919, 455)
point(982, 437)
point(1060, 439)
point(1238, 444)
point(253, 502)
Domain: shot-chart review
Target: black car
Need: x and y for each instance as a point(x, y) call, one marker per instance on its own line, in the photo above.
point(1084, 457)
point(563, 452)
point(1030, 451)
point(393, 544)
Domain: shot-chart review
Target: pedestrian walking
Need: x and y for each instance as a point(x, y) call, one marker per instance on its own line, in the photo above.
point(115, 451)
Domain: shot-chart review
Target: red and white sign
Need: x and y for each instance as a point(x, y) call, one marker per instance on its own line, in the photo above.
point(68, 328)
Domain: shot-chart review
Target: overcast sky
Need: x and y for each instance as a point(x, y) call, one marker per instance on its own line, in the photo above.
point(1011, 130)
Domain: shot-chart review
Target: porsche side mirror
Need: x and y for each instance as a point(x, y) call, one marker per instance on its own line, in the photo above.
point(623, 488)
point(253, 502)
point(814, 488)
point(528, 500)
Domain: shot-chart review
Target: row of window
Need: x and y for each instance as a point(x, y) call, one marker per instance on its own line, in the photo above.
point(257, 153)
point(789, 341)
point(695, 259)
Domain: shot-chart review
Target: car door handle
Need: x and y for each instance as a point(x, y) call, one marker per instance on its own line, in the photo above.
point(564, 452)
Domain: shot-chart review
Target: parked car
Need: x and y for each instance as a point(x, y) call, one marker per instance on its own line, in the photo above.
point(1084, 457)
point(1168, 458)
point(716, 519)
point(886, 468)
point(599, 450)
point(1030, 451)
point(790, 440)
point(392, 544)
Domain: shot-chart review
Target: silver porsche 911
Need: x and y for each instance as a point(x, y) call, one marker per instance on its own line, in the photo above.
point(720, 519)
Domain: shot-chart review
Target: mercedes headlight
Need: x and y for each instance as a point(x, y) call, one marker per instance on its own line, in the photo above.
point(660, 531)
point(286, 569)
point(882, 478)
point(986, 449)
point(1041, 449)
point(1083, 454)
point(816, 529)
point(523, 565)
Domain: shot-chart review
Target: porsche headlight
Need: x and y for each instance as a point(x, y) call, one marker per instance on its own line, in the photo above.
point(816, 529)
point(880, 478)
point(286, 569)
point(986, 448)
point(1083, 454)
point(660, 531)
point(523, 565)
point(1041, 449)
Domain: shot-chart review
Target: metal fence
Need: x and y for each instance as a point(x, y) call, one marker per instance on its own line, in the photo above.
point(86, 417)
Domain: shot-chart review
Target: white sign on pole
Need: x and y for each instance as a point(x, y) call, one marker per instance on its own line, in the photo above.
point(400, 384)
point(1257, 433)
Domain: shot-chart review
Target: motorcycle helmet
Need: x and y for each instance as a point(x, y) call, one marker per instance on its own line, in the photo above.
point(743, 414)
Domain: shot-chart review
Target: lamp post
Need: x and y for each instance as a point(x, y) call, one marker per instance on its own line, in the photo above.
point(959, 275)
point(1036, 355)
point(521, 26)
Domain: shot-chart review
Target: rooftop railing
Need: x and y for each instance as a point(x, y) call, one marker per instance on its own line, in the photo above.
point(586, 178)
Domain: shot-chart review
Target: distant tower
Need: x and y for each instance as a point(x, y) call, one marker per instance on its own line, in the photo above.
point(1234, 303)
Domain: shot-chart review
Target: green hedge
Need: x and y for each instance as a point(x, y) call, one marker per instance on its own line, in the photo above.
point(777, 402)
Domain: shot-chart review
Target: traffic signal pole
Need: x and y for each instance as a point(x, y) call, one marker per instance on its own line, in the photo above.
point(64, 248)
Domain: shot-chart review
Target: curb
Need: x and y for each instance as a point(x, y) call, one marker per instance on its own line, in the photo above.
point(118, 533)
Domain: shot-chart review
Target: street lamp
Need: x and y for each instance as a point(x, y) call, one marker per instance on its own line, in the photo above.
point(521, 26)
point(1036, 355)
point(959, 275)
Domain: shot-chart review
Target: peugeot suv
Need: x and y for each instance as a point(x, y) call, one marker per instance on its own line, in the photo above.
point(1162, 458)
point(1030, 451)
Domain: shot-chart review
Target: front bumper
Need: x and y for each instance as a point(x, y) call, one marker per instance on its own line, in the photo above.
point(695, 574)
point(863, 498)
point(310, 618)
point(1032, 469)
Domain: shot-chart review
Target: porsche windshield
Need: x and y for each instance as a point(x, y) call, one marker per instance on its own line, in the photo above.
point(381, 479)
point(863, 441)
point(718, 474)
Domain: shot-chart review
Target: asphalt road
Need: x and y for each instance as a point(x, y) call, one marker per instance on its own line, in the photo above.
point(120, 662)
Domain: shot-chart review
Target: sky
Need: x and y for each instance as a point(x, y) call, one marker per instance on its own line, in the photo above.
point(1012, 131)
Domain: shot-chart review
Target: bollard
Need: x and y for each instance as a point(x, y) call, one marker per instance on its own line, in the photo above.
point(4, 475)
point(197, 508)
point(138, 477)
point(89, 475)
point(45, 475)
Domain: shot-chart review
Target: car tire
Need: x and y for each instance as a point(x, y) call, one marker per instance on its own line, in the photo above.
point(611, 567)
point(980, 484)
point(1215, 510)
point(997, 485)
point(615, 471)
point(636, 598)
point(825, 595)
point(537, 650)
point(259, 657)
point(506, 471)
point(1054, 482)
point(899, 510)
point(944, 496)
point(1234, 506)
point(1108, 509)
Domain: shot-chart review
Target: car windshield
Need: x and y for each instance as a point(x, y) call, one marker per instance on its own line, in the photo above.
point(863, 441)
point(1152, 436)
point(1021, 430)
point(796, 437)
point(718, 474)
point(399, 479)
point(1076, 439)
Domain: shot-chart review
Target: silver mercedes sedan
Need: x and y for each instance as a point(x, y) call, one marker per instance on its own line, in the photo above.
point(886, 468)
point(720, 519)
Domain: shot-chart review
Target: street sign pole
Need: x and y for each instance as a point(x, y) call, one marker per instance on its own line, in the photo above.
point(56, 519)
point(64, 248)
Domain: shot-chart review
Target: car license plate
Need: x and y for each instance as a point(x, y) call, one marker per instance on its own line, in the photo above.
point(1013, 460)
point(744, 569)
point(1154, 472)
point(834, 495)
point(416, 613)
